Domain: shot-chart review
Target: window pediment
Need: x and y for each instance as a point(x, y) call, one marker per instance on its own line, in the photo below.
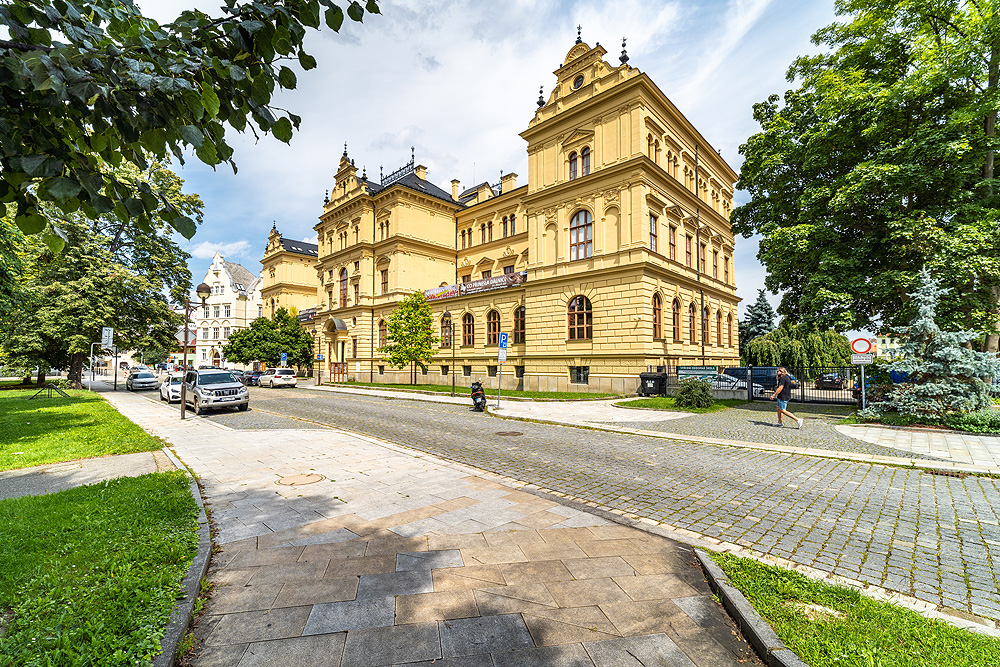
point(485, 261)
point(577, 138)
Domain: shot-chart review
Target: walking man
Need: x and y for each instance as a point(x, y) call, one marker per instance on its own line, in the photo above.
point(782, 394)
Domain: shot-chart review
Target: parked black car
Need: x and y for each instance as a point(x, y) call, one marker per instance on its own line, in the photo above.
point(830, 381)
point(251, 378)
point(765, 376)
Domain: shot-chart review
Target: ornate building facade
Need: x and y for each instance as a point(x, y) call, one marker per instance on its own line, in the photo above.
point(615, 256)
point(233, 305)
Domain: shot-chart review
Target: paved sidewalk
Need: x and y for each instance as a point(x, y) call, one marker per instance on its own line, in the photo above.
point(970, 448)
point(339, 549)
point(55, 477)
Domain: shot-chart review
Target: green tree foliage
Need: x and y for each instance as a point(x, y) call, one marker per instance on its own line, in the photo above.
point(798, 346)
point(411, 333)
point(880, 163)
point(943, 374)
point(89, 83)
point(264, 340)
point(757, 321)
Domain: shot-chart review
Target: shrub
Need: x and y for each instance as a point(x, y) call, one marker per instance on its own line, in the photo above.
point(982, 421)
point(694, 394)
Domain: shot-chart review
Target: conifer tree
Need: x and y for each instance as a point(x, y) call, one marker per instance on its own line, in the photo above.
point(759, 318)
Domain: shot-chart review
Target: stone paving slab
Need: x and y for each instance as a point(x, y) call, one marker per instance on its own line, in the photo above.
point(971, 448)
point(55, 477)
point(270, 592)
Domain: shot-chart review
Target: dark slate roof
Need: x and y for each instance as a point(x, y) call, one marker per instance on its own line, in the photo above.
point(243, 280)
point(471, 192)
point(300, 247)
point(414, 182)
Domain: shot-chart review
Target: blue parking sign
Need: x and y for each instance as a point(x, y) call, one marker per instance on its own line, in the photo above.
point(503, 341)
point(284, 358)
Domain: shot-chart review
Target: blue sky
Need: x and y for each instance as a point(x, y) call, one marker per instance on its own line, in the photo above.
point(458, 81)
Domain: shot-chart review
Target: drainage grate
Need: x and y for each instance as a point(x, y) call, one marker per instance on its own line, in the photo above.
point(946, 473)
point(509, 433)
point(299, 480)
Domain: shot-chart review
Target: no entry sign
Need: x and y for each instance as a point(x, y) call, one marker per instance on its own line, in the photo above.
point(862, 346)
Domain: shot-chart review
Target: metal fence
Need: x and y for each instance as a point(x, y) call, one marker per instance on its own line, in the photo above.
point(811, 384)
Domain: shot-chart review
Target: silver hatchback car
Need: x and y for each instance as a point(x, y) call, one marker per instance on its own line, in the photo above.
point(210, 389)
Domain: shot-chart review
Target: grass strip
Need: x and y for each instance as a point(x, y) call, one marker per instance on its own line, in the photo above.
point(90, 575)
point(462, 390)
point(667, 403)
point(49, 430)
point(835, 626)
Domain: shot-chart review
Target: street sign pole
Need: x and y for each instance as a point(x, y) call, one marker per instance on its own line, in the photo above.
point(501, 357)
point(862, 386)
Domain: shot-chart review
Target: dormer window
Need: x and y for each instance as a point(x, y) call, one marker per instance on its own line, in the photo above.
point(572, 166)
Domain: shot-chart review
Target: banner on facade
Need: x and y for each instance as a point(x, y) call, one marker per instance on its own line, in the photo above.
point(695, 371)
point(503, 281)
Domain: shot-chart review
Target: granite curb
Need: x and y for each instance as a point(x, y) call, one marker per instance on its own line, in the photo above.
point(180, 617)
point(755, 629)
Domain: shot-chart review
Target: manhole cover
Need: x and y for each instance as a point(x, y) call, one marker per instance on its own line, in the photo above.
point(509, 433)
point(299, 480)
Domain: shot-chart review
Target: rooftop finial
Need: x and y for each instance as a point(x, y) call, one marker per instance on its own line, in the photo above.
point(381, 175)
point(624, 56)
point(274, 225)
point(413, 154)
point(578, 30)
point(345, 149)
point(364, 173)
point(541, 100)
point(326, 196)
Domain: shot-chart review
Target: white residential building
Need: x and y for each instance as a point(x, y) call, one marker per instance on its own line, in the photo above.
point(235, 302)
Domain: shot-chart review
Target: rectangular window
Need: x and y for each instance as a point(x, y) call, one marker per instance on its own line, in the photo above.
point(491, 371)
point(701, 260)
point(487, 274)
point(357, 294)
point(357, 266)
point(725, 267)
point(215, 333)
point(206, 311)
point(444, 370)
point(354, 348)
point(381, 370)
point(330, 299)
point(466, 278)
point(228, 311)
point(225, 332)
point(423, 371)
point(503, 227)
point(672, 240)
point(715, 264)
point(652, 233)
point(513, 226)
point(215, 311)
point(508, 269)
point(467, 371)
point(260, 311)
point(385, 281)
point(204, 333)
point(579, 374)
point(519, 371)
point(687, 251)
point(204, 355)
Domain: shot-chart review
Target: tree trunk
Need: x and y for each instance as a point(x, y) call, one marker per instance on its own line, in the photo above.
point(41, 376)
point(75, 375)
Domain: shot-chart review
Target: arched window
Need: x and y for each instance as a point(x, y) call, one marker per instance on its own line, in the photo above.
point(463, 239)
point(705, 322)
point(718, 328)
point(657, 323)
point(468, 329)
point(692, 331)
point(503, 227)
point(492, 328)
point(489, 230)
point(729, 329)
point(513, 226)
point(572, 166)
point(585, 161)
point(677, 319)
point(343, 288)
point(383, 334)
point(446, 332)
point(519, 325)
point(482, 230)
point(581, 318)
point(581, 236)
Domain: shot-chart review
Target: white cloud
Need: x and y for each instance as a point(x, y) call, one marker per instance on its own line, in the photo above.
point(314, 239)
point(207, 250)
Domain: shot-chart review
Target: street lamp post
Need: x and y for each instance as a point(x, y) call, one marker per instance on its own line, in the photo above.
point(451, 344)
point(203, 291)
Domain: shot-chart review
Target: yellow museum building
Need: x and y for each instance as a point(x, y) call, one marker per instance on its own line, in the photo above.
point(616, 256)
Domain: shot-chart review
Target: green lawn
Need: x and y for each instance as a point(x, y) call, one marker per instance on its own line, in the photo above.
point(90, 575)
point(667, 403)
point(848, 628)
point(47, 430)
point(462, 389)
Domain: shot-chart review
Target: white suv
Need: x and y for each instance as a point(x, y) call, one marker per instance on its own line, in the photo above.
point(278, 377)
point(209, 389)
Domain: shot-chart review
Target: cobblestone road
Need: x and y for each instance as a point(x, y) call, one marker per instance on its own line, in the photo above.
point(932, 537)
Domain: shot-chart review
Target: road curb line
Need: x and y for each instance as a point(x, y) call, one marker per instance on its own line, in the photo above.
point(180, 617)
point(755, 629)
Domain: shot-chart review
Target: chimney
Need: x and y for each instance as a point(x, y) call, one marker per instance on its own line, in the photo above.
point(508, 182)
point(421, 172)
point(455, 189)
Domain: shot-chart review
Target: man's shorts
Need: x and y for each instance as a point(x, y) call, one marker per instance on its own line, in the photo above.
point(782, 404)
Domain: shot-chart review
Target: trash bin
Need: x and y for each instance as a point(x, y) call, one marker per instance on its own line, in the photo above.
point(652, 384)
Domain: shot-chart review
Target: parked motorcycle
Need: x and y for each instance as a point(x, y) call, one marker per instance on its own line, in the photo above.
point(478, 397)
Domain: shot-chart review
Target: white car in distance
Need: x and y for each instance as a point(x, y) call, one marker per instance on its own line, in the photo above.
point(170, 389)
point(278, 377)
